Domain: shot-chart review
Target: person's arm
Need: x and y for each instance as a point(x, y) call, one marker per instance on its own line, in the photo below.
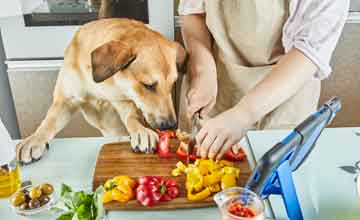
point(220, 133)
point(202, 68)
point(309, 38)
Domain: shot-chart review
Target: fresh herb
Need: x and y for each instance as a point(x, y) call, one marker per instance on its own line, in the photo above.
point(80, 205)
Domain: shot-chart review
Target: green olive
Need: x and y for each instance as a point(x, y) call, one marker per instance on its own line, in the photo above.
point(35, 193)
point(18, 199)
point(47, 188)
point(24, 206)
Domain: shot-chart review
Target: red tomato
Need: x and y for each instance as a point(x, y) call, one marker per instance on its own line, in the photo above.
point(238, 209)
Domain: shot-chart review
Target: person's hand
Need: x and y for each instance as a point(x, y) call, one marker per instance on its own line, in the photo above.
point(202, 92)
point(221, 133)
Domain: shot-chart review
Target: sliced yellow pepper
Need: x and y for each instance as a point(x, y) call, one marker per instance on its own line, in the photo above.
point(194, 180)
point(181, 166)
point(215, 188)
point(199, 196)
point(226, 163)
point(213, 178)
point(228, 181)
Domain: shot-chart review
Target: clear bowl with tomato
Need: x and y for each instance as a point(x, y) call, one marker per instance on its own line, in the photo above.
point(239, 204)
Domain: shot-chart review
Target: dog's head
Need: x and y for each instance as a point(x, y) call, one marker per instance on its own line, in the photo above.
point(144, 66)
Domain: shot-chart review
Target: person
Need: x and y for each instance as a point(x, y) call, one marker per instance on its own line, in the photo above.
point(254, 64)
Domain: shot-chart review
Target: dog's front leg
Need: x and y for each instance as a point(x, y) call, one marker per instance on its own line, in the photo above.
point(56, 118)
point(142, 139)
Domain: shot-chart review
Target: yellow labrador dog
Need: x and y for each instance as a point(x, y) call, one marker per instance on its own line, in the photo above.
point(116, 72)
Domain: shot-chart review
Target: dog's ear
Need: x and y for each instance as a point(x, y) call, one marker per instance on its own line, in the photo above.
point(110, 58)
point(181, 58)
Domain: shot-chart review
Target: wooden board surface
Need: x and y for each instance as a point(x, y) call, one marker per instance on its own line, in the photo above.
point(118, 159)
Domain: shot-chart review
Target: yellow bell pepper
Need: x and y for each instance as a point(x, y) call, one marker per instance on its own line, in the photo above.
point(232, 170)
point(194, 180)
point(226, 163)
point(213, 178)
point(125, 180)
point(119, 188)
point(215, 188)
point(107, 197)
point(127, 192)
point(228, 181)
point(199, 196)
point(118, 196)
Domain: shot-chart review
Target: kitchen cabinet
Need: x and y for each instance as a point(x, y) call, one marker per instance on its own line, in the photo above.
point(32, 93)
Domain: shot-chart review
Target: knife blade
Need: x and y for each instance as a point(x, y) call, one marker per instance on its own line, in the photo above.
point(195, 128)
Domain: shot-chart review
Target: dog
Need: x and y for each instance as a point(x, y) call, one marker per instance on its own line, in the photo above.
point(117, 72)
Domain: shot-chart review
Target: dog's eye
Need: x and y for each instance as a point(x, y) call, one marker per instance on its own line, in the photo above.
point(150, 87)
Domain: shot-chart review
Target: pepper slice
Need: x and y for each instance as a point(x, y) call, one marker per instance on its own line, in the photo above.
point(163, 146)
point(239, 156)
point(198, 196)
point(182, 154)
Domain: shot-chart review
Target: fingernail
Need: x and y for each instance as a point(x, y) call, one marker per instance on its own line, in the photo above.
point(211, 156)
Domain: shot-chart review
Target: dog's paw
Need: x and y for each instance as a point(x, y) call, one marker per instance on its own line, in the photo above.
point(29, 150)
point(144, 140)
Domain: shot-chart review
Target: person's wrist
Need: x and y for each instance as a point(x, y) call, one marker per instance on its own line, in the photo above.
point(245, 114)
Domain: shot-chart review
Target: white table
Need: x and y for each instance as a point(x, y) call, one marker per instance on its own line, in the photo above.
point(326, 192)
point(72, 161)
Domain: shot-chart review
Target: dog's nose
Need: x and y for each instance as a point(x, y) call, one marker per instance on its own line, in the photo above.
point(168, 125)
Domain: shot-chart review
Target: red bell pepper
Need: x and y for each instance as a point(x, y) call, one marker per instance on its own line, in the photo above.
point(170, 133)
point(163, 146)
point(231, 156)
point(182, 153)
point(152, 190)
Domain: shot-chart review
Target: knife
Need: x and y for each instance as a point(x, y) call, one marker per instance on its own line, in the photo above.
point(195, 128)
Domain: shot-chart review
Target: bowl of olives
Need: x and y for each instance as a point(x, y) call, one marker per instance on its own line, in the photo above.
point(30, 200)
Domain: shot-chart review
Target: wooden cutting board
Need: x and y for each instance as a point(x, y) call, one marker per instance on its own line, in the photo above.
point(118, 159)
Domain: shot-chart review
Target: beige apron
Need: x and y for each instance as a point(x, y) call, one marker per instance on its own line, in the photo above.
point(247, 42)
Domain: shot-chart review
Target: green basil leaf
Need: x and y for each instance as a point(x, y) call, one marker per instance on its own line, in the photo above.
point(66, 216)
point(65, 189)
point(99, 211)
point(84, 212)
point(82, 198)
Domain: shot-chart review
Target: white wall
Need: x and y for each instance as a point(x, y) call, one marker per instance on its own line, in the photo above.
point(7, 111)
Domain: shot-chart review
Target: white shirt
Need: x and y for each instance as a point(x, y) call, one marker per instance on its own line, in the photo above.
point(313, 27)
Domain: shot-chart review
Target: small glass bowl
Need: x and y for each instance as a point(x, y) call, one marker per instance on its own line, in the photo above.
point(28, 212)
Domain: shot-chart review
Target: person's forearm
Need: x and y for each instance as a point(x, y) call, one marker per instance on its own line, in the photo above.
point(198, 44)
point(289, 75)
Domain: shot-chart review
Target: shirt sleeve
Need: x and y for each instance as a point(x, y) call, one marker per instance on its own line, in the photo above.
point(187, 7)
point(314, 27)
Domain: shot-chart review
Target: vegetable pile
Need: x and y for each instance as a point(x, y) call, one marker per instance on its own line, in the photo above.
point(148, 190)
point(80, 205)
point(205, 177)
